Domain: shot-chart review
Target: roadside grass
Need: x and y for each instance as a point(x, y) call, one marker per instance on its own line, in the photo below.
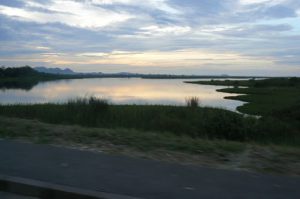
point(143, 141)
point(196, 122)
point(156, 145)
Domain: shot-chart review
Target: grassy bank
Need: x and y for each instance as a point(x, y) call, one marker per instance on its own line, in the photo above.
point(145, 141)
point(194, 122)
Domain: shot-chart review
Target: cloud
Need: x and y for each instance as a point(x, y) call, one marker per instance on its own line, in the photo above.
point(258, 31)
point(43, 48)
point(159, 31)
point(153, 4)
point(280, 11)
point(184, 57)
point(77, 14)
point(269, 2)
point(175, 35)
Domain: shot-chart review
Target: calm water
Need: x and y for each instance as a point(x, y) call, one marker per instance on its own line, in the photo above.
point(121, 91)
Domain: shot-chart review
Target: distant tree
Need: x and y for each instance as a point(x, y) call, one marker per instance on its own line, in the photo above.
point(17, 72)
point(236, 84)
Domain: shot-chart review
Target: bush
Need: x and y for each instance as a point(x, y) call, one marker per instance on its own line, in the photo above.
point(192, 102)
point(86, 110)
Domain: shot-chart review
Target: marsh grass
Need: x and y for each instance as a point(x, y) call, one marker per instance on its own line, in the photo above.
point(192, 102)
point(200, 122)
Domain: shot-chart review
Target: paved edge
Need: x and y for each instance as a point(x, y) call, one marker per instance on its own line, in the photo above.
point(45, 190)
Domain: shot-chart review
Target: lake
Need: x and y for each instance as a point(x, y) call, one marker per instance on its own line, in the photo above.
point(121, 91)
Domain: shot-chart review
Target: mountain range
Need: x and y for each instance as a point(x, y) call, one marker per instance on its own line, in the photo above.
point(59, 71)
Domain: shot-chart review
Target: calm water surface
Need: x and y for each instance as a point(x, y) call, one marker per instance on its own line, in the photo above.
point(121, 91)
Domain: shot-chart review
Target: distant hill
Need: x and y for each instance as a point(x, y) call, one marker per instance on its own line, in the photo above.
point(57, 71)
point(44, 73)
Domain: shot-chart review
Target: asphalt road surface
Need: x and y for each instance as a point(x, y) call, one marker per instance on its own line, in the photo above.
point(138, 177)
point(4, 195)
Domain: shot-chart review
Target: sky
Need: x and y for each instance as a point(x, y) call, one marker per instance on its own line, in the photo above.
point(200, 37)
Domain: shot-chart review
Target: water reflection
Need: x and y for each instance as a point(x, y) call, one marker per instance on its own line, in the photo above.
point(24, 85)
point(121, 91)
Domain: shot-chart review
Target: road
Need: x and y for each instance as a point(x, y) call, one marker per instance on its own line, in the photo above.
point(138, 177)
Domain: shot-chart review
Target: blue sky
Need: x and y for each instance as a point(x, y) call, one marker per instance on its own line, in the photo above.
point(239, 37)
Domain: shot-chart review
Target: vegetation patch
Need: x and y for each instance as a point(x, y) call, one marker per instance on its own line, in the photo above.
point(277, 100)
point(265, 97)
point(195, 122)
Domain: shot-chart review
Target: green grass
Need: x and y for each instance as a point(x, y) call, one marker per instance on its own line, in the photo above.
point(144, 141)
point(265, 101)
point(277, 100)
point(196, 122)
point(269, 82)
point(270, 97)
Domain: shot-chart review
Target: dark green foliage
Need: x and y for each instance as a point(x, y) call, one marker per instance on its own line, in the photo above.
point(200, 122)
point(270, 82)
point(25, 84)
point(17, 72)
point(90, 108)
point(24, 78)
point(278, 82)
point(277, 100)
point(274, 97)
point(192, 102)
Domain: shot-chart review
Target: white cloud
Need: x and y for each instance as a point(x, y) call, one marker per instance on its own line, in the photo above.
point(150, 4)
point(72, 13)
point(97, 54)
point(155, 30)
point(111, 2)
point(43, 48)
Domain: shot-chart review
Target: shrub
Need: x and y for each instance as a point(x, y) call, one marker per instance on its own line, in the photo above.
point(192, 102)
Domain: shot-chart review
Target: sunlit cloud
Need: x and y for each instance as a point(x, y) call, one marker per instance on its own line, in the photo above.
point(177, 58)
point(167, 59)
point(43, 48)
point(161, 31)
